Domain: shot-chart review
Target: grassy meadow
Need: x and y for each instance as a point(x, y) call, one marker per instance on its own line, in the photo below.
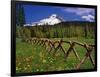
point(35, 58)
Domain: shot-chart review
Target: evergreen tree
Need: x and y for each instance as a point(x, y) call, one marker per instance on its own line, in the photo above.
point(20, 15)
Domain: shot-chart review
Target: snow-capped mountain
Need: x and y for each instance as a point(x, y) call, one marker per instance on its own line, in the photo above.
point(51, 20)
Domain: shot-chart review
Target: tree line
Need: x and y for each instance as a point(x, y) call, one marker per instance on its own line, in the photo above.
point(62, 30)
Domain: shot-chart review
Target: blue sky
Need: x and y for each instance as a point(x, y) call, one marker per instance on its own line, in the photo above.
point(34, 13)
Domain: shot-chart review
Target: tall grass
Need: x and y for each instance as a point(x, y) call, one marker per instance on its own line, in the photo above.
point(33, 58)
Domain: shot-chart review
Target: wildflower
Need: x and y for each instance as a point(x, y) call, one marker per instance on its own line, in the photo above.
point(25, 68)
point(16, 68)
point(51, 61)
point(44, 61)
point(28, 65)
point(37, 69)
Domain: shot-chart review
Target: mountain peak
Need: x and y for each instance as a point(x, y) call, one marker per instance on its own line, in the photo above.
point(53, 16)
point(51, 20)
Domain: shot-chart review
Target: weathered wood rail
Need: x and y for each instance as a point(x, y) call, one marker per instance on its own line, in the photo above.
point(56, 45)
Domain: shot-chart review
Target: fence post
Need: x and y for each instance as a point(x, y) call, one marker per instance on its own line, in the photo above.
point(70, 49)
point(89, 50)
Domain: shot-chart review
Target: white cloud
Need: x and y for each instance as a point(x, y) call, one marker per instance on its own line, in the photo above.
point(88, 18)
point(80, 11)
point(84, 13)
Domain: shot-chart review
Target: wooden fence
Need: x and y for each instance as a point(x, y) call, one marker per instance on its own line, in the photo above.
point(56, 45)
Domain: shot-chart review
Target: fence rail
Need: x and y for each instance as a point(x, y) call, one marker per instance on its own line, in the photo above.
point(56, 45)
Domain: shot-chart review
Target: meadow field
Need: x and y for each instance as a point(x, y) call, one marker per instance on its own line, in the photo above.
point(35, 58)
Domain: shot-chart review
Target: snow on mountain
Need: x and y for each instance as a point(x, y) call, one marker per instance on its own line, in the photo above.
point(51, 20)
